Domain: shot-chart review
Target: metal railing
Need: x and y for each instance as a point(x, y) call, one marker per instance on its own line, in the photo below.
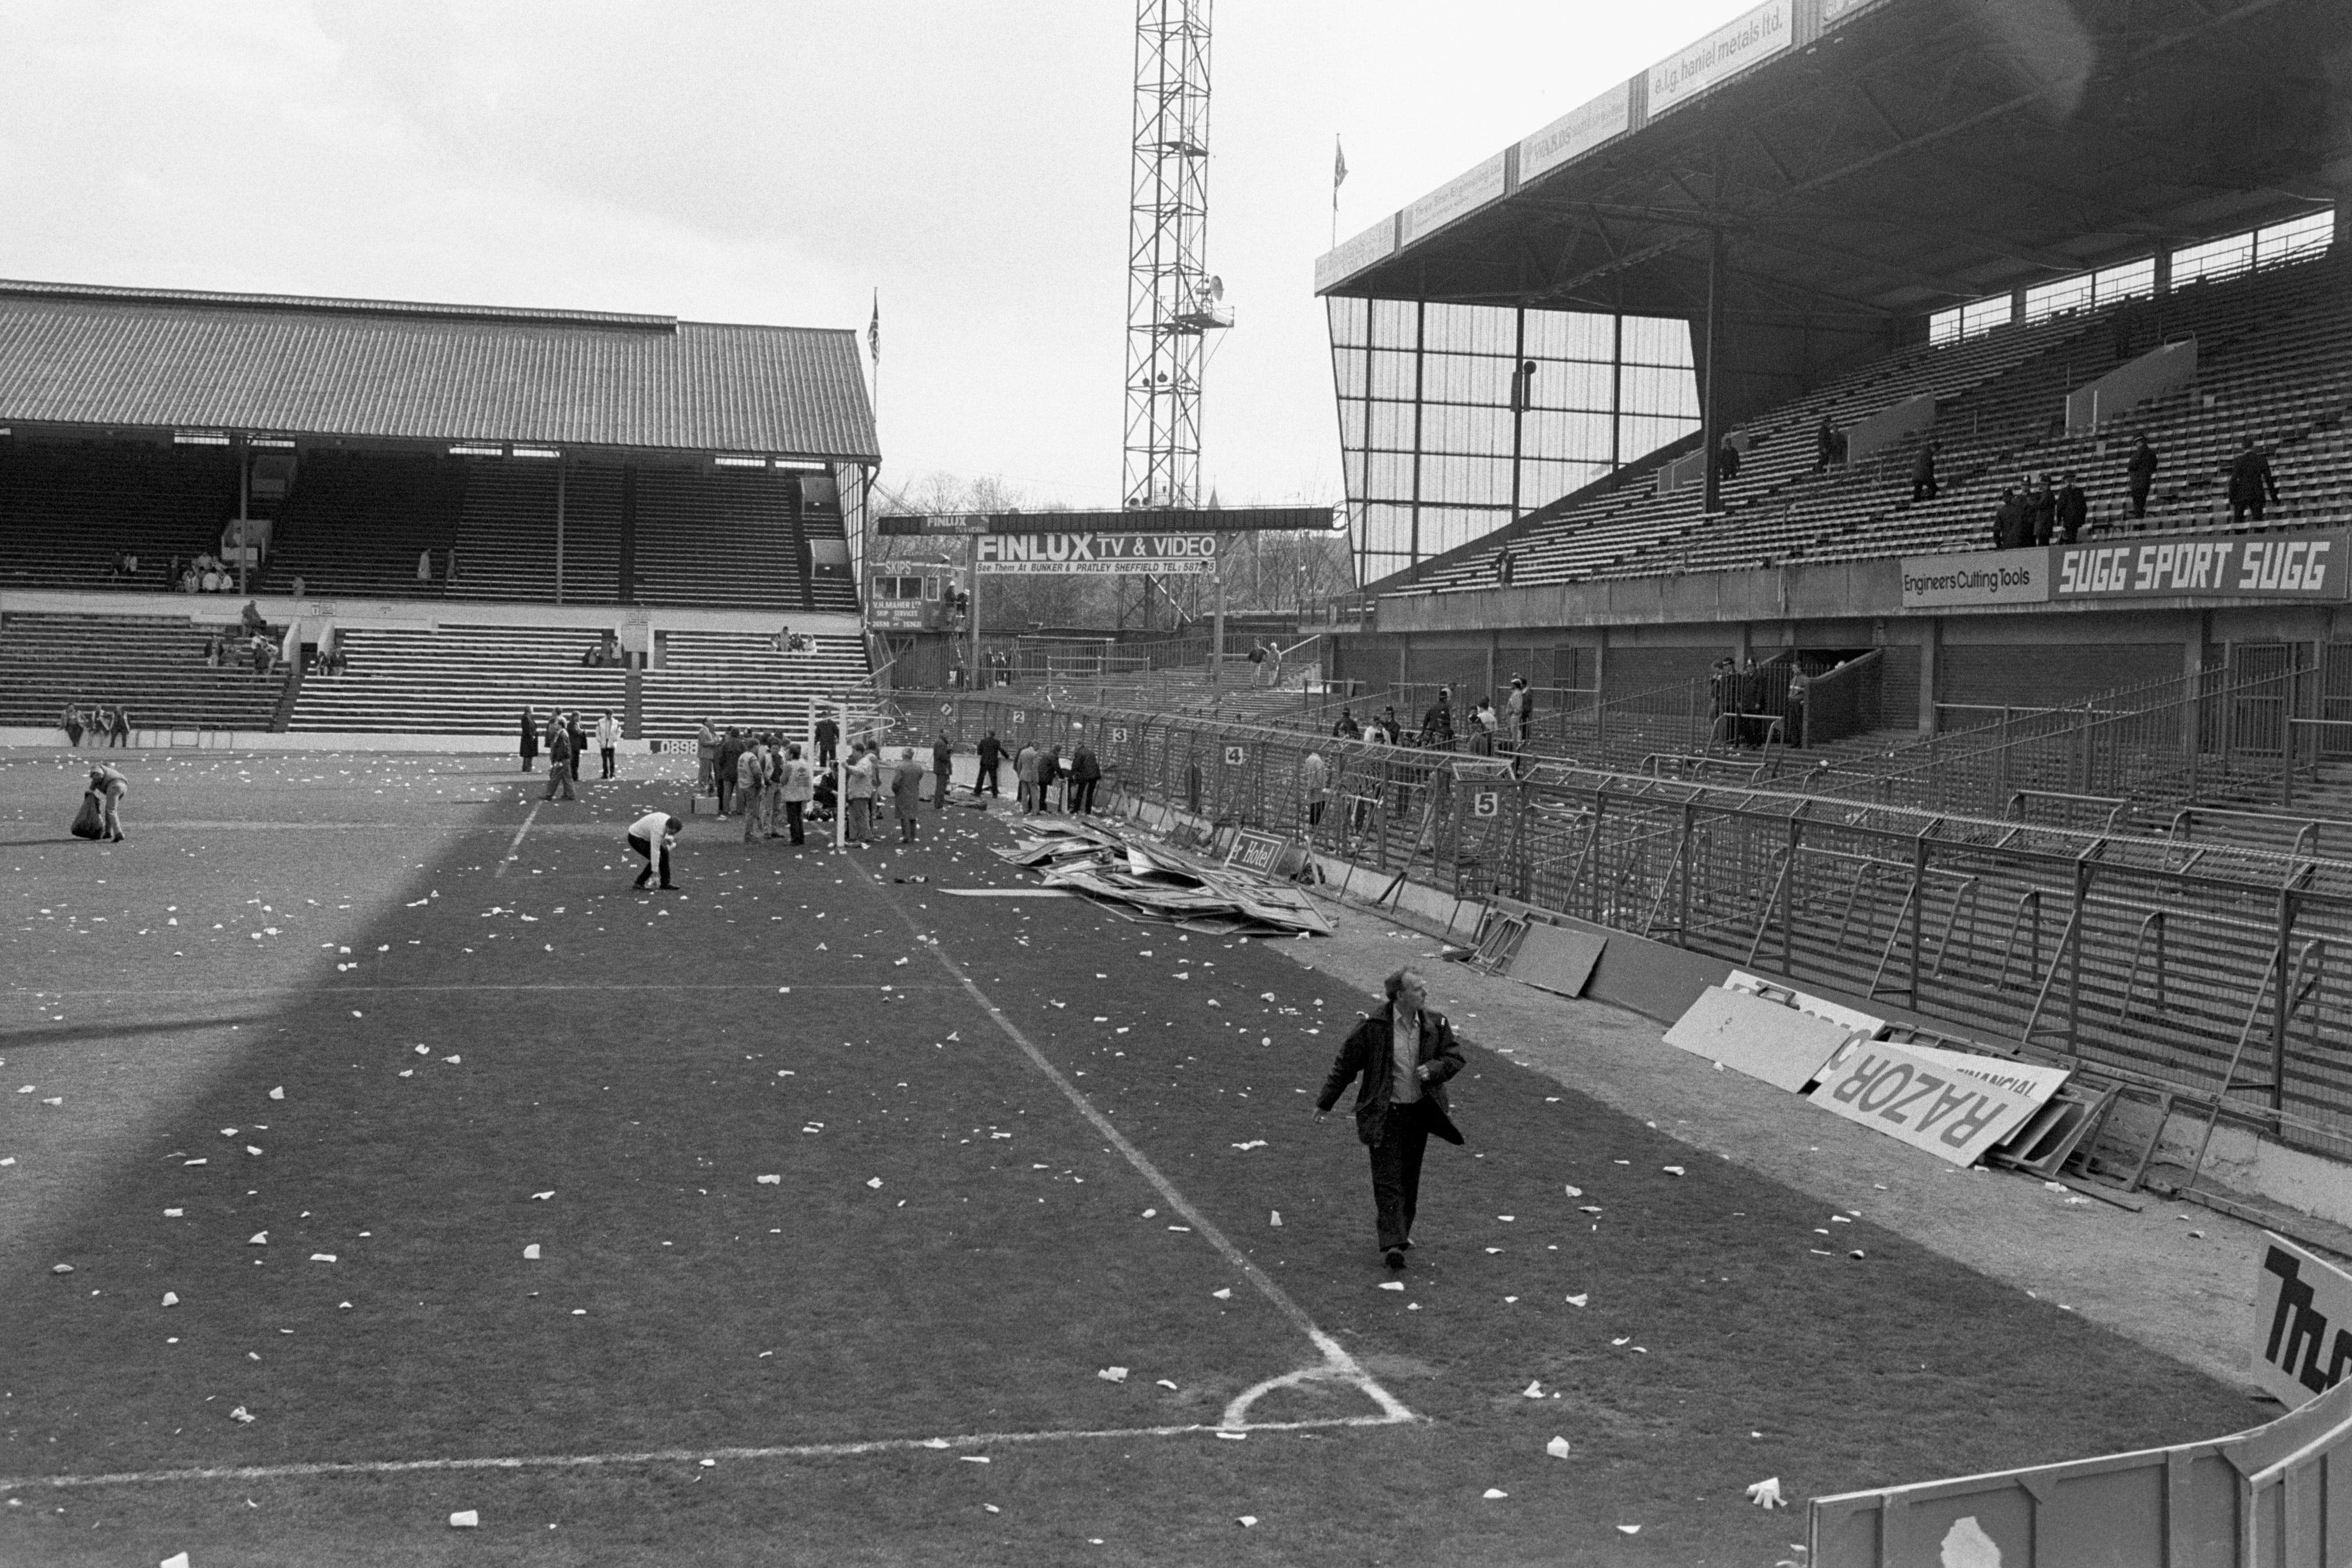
point(2216, 969)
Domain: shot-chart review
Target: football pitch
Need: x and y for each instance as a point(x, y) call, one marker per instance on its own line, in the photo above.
point(371, 1152)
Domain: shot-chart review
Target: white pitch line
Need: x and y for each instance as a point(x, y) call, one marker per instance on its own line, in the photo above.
point(667, 1456)
point(514, 845)
point(1337, 1359)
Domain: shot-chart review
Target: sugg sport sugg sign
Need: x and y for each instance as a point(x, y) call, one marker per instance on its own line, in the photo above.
point(2303, 565)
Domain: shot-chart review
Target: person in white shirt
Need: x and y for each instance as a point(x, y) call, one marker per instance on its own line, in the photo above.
point(608, 738)
point(751, 789)
point(653, 836)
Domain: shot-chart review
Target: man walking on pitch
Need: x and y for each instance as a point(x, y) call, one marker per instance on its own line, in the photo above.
point(1402, 1057)
point(608, 738)
point(653, 836)
point(942, 769)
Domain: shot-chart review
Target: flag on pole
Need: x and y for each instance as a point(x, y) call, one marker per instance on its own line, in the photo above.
point(874, 330)
point(1339, 167)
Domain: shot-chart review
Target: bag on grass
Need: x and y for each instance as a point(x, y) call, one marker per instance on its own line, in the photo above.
point(90, 823)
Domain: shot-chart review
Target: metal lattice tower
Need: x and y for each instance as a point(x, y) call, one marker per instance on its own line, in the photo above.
point(1171, 301)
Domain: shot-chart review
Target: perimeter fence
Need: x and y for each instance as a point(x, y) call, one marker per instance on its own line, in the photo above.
point(2218, 970)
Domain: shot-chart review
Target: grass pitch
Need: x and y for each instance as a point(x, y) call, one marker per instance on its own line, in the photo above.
point(948, 1254)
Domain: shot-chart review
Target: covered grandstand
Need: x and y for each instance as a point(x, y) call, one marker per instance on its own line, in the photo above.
point(2028, 236)
point(460, 502)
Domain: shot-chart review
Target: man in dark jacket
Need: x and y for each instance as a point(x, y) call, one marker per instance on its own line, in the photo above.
point(1084, 773)
point(1402, 1057)
point(2073, 511)
point(1437, 724)
point(942, 769)
point(991, 753)
point(2041, 503)
point(2251, 485)
point(2141, 470)
point(723, 770)
point(1923, 472)
point(2009, 522)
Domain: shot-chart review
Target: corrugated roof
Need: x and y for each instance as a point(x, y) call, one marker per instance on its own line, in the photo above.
point(81, 354)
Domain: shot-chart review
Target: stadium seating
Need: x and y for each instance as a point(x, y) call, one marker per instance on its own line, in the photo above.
point(506, 539)
point(355, 524)
point(67, 510)
point(476, 680)
point(740, 678)
point(154, 665)
point(2275, 362)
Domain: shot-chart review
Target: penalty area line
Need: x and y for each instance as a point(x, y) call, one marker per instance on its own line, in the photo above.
point(1337, 1361)
point(849, 1451)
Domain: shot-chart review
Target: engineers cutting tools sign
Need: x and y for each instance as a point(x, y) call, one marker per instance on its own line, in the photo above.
point(1107, 555)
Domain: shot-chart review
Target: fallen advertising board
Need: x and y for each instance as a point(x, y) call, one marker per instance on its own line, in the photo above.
point(2300, 1336)
point(1913, 1097)
point(1105, 555)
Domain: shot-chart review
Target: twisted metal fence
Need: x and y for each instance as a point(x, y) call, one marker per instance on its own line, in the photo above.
point(2175, 951)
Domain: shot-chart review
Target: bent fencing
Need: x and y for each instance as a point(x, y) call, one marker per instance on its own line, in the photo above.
point(2277, 1497)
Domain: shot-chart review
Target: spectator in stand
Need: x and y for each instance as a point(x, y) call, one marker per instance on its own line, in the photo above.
point(991, 758)
point(1086, 772)
point(1792, 728)
point(593, 658)
point(907, 795)
point(795, 790)
point(102, 726)
point(1519, 711)
point(2008, 520)
point(424, 566)
point(1478, 739)
point(1315, 783)
point(1827, 443)
point(1389, 722)
point(1923, 471)
point(451, 575)
point(122, 726)
point(250, 619)
point(172, 571)
point(1437, 724)
point(2251, 488)
point(2044, 504)
point(2073, 511)
point(2141, 471)
point(1272, 662)
point(1257, 664)
point(1348, 728)
point(828, 736)
point(731, 748)
point(70, 722)
point(265, 656)
point(705, 757)
point(1506, 566)
point(608, 738)
point(1726, 461)
point(942, 769)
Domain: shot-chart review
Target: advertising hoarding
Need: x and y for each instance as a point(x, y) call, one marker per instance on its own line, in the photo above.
point(1722, 55)
point(1457, 198)
point(1085, 555)
point(1578, 132)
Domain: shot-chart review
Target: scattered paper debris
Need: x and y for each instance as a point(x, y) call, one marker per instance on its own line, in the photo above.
point(466, 1518)
point(1575, 1192)
point(61, 1268)
point(1392, 1284)
point(1533, 1390)
point(278, 1092)
point(1766, 1494)
point(1113, 1374)
point(1493, 1493)
point(1556, 1448)
point(771, 1180)
point(322, 1258)
point(171, 1298)
point(542, 1196)
point(1224, 1295)
point(258, 1238)
point(1672, 1170)
point(1274, 1217)
point(1628, 1529)
point(1247, 1520)
point(874, 1181)
point(531, 1253)
point(177, 1560)
point(243, 1417)
point(1579, 1301)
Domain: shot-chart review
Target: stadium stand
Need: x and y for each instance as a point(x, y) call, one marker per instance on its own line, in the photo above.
point(476, 679)
point(2274, 347)
point(740, 678)
point(507, 546)
point(67, 510)
point(354, 524)
point(154, 665)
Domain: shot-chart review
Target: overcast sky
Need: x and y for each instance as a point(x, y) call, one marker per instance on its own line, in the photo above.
point(778, 162)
